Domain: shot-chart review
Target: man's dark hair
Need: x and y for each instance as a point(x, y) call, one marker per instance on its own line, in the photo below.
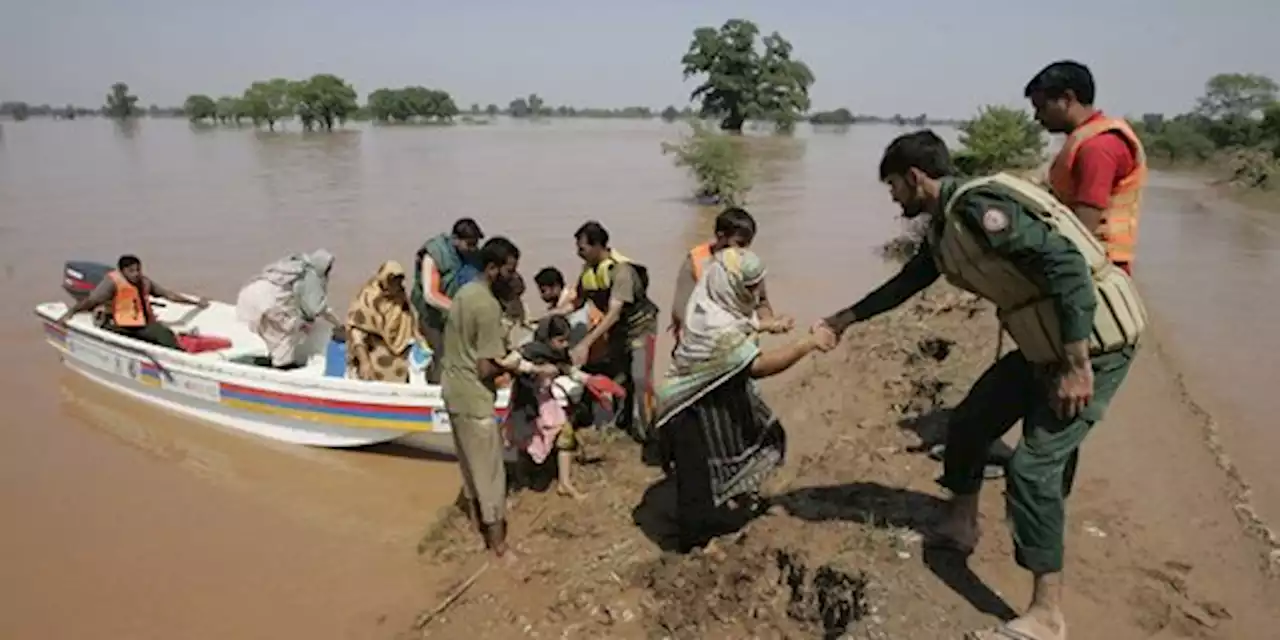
point(467, 229)
point(558, 326)
point(593, 233)
point(126, 261)
point(1055, 80)
point(735, 221)
point(549, 277)
point(497, 251)
point(922, 150)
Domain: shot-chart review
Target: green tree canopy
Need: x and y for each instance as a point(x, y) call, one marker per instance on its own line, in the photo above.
point(325, 99)
point(120, 103)
point(1238, 95)
point(267, 101)
point(841, 116)
point(229, 109)
point(671, 113)
point(1000, 138)
point(408, 103)
point(200, 107)
point(740, 82)
point(492, 110)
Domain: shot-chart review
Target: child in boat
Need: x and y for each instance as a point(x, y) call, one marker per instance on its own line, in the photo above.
point(539, 421)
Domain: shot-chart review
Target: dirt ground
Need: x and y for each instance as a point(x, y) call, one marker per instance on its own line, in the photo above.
point(1162, 542)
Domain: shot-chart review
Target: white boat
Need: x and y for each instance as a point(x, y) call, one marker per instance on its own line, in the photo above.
point(224, 387)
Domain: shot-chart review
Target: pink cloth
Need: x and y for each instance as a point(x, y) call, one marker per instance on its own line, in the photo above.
point(551, 418)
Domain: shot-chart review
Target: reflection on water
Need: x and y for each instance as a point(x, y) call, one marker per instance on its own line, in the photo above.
point(377, 494)
point(206, 207)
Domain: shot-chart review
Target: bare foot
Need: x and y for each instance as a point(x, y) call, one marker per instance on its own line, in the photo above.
point(1033, 626)
point(570, 491)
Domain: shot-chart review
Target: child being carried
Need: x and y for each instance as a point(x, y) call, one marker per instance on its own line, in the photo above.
point(546, 382)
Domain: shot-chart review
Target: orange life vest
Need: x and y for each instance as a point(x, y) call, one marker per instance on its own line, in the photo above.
point(698, 257)
point(131, 306)
point(1118, 231)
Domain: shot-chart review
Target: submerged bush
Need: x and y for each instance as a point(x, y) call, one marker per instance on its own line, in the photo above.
point(717, 161)
point(1253, 168)
point(999, 139)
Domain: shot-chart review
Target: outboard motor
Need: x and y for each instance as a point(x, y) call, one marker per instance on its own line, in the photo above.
point(79, 277)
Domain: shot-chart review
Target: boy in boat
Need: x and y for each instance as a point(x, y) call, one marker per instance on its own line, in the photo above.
point(551, 287)
point(128, 292)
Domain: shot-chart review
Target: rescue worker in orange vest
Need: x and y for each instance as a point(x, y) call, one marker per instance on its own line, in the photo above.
point(734, 228)
point(127, 292)
point(1102, 168)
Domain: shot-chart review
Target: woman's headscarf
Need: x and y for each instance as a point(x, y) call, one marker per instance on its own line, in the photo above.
point(717, 340)
point(377, 312)
point(307, 275)
point(720, 307)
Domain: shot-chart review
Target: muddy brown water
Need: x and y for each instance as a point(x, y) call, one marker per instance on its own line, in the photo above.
point(123, 521)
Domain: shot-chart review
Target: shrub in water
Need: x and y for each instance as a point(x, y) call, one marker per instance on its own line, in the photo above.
point(717, 161)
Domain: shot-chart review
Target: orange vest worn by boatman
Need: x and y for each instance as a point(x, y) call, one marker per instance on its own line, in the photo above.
point(1118, 231)
point(698, 257)
point(131, 306)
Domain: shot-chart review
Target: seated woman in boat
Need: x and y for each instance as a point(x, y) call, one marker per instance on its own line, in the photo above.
point(381, 328)
point(281, 304)
point(724, 439)
point(128, 293)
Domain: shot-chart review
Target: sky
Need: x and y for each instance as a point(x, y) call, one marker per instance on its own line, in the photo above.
point(943, 58)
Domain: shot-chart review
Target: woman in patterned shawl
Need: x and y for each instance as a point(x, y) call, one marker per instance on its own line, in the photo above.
point(724, 439)
point(381, 327)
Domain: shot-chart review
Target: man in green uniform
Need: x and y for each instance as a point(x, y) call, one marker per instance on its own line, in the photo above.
point(1012, 243)
point(442, 265)
point(474, 346)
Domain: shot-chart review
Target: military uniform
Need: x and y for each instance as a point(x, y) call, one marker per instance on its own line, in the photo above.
point(1012, 243)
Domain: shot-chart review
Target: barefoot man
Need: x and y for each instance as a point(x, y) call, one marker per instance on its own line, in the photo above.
point(473, 339)
point(1076, 318)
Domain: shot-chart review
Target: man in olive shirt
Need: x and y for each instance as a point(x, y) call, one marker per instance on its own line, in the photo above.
point(473, 338)
point(1058, 401)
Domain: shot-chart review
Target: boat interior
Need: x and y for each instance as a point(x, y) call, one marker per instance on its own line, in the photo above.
point(215, 333)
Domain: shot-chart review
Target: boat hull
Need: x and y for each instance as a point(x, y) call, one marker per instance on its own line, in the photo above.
point(289, 407)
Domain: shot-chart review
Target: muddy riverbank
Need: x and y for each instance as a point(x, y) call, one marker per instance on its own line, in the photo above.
point(1155, 549)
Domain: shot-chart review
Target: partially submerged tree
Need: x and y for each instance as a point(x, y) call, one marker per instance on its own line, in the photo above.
point(740, 82)
point(120, 103)
point(199, 108)
point(999, 139)
point(323, 99)
point(718, 162)
point(409, 103)
point(267, 101)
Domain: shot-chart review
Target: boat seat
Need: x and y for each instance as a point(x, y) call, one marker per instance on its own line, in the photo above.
point(202, 343)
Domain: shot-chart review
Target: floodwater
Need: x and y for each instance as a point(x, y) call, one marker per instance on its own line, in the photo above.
point(122, 521)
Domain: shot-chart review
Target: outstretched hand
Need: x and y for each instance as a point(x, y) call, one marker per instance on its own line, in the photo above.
point(826, 336)
point(779, 324)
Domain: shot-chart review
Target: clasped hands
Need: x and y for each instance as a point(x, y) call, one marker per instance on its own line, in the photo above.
point(823, 336)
